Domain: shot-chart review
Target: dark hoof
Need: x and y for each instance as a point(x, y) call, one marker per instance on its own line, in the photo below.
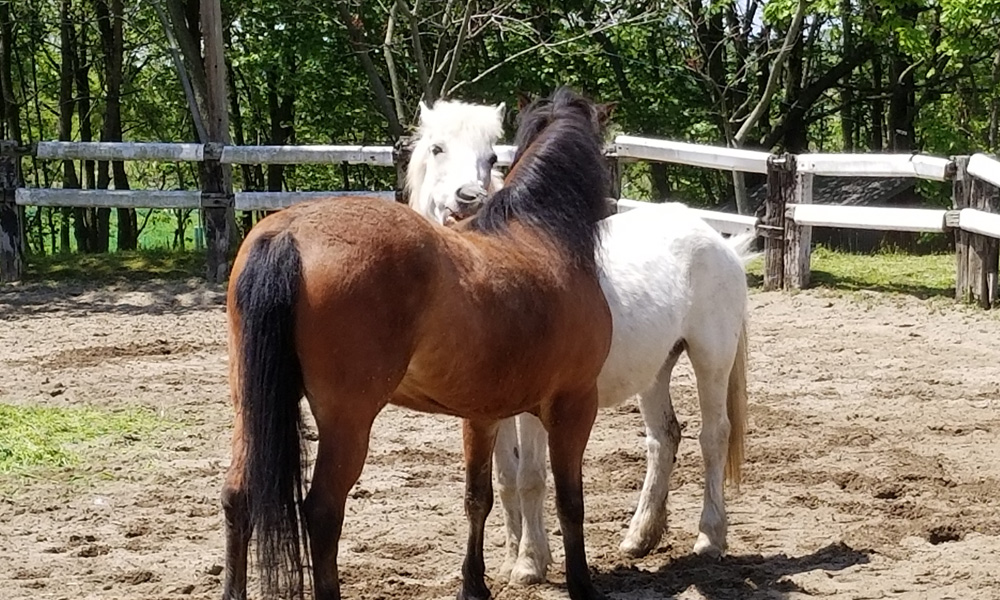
point(481, 595)
point(588, 593)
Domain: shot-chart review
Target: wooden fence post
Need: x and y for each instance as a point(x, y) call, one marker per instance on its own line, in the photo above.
point(402, 150)
point(217, 185)
point(975, 255)
point(798, 238)
point(614, 170)
point(11, 244)
point(780, 191)
point(217, 202)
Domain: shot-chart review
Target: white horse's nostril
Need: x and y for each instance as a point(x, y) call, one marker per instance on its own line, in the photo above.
point(471, 193)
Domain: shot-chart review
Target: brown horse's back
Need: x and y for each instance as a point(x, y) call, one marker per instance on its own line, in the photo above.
point(477, 327)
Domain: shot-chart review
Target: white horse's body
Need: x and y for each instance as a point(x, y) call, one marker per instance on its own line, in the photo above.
point(673, 284)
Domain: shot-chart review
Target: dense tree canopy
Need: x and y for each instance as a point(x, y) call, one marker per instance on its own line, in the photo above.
point(796, 75)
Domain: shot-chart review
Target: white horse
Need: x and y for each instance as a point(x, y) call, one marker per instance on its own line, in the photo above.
point(673, 284)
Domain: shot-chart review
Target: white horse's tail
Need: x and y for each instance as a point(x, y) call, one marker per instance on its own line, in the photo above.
point(743, 246)
point(736, 410)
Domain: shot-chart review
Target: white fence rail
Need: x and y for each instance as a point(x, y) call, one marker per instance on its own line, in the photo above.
point(877, 165)
point(696, 155)
point(868, 217)
point(108, 198)
point(152, 151)
point(985, 168)
point(787, 225)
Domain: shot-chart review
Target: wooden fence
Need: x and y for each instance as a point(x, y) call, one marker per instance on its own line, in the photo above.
point(786, 224)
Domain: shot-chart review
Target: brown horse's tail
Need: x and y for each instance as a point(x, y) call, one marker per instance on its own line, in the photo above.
point(736, 410)
point(271, 387)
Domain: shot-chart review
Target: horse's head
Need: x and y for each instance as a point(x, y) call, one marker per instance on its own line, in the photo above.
point(451, 166)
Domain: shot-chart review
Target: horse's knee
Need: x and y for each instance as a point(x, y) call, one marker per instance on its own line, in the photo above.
point(531, 480)
point(234, 503)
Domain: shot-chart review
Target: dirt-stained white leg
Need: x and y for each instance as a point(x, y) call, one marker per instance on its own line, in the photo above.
point(534, 556)
point(663, 434)
point(506, 461)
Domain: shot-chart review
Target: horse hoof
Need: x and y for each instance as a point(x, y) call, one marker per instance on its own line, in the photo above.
point(526, 572)
point(637, 548)
point(507, 568)
point(482, 595)
point(705, 547)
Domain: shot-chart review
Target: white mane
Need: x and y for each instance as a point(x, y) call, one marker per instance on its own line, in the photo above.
point(451, 124)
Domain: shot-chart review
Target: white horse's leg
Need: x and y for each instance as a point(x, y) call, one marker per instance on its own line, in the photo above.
point(533, 556)
point(711, 368)
point(663, 435)
point(505, 459)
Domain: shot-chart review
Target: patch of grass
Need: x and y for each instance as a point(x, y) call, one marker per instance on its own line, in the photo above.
point(136, 265)
point(38, 437)
point(923, 276)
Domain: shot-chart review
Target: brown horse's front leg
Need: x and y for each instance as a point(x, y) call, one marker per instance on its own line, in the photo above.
point(479, 438)
point(568, 422)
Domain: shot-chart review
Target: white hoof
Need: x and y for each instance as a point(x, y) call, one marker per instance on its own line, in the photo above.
point(528, 572)
point(507, 567)
point(705, 547)
point(635, 547)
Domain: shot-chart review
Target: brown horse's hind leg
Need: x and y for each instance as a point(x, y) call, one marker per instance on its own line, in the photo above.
point(479, 438)
point(340, 457)
point(238, 530)
point(568, 421)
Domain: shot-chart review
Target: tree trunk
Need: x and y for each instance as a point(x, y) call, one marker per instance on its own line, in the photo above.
point(68, 71)
point(877, 140)
point(660, 180)
point(847, 122)
point(902, 92)
point(109, 22)
point(281, 108)
point(796, 138)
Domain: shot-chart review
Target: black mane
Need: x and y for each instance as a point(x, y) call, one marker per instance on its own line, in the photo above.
point(561, 185)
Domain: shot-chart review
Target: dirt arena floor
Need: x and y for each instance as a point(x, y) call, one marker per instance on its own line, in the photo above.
point(874, 461)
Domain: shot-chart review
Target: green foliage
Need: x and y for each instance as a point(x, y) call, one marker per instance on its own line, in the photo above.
point(135, 265)
point(923, 276)
point(687, 71)
point(38, 437)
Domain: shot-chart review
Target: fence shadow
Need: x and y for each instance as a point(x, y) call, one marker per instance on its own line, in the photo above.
point(732, 578)
point(79, 298)
point(820, 278)
point(833, 281)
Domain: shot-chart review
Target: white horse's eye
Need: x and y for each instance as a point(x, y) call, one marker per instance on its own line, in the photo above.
point(493, 159)
point(436, 149)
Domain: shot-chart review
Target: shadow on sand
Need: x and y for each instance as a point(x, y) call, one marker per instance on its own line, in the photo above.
point(734, 577)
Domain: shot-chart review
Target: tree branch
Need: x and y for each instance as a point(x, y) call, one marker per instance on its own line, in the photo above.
point(378, 88)
point(390, 63)
point(456, 53)
point(418, 49)
point(791, 39)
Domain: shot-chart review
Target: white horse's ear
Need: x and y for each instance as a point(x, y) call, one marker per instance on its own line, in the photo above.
point(501, 109)
point(424, 109)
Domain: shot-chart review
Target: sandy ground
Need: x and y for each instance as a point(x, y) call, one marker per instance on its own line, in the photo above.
point(874, 461)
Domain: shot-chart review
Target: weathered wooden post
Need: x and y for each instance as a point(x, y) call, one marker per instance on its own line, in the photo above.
point(976, 256)
point(780, 192)
point(216, 178)
point(798, 238)
point(11, 244)
point(401, 152)
point(614, 170)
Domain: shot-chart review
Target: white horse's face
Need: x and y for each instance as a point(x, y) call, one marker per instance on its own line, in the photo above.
point(451, 166)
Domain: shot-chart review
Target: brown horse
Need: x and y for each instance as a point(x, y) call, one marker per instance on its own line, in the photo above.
point(356, 304)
